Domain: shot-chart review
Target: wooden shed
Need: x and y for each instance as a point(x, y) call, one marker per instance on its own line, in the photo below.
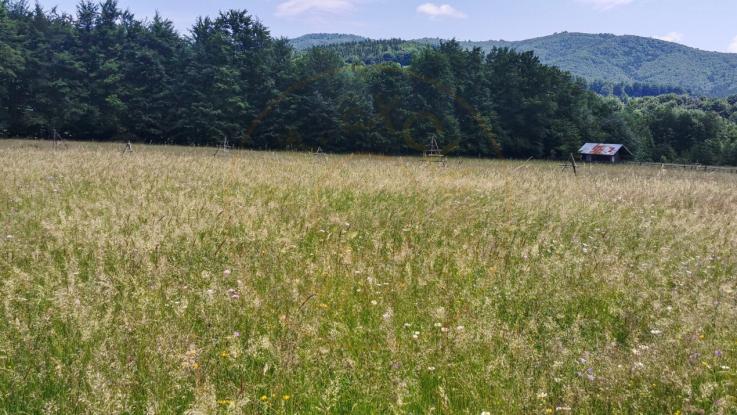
point(604, 153)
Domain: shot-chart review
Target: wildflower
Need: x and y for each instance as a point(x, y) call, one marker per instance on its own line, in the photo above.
point(416, 335)
point(542, 395)
point(444, 329)
point(655, 332)
point(407, 325)
point(717, 353)
point(431, 368)
point(374, 302)
point(323, 306)
point(485, 413)
point(226, 273)
point(701, 337)
point(549, 411)
point(225, 402)
point(9, 237)
point(460, 328)
point(438, 325)
point(236, 334)
point(264, 398)
point(233, 294)
point(195, 365)
point(285, 397)
point(224, 354)
point(590, 374)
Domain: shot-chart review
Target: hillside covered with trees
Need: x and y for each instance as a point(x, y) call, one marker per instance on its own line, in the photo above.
point(603, 58)
point(105, 75)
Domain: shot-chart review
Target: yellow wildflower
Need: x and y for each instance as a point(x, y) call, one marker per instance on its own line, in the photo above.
point(285, 397)
point(323, 306)
point(224, 354)
point(225, 402)
point(264, 398)
point(549, 411)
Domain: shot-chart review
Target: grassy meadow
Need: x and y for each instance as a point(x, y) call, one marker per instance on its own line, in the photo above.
point(172, 281)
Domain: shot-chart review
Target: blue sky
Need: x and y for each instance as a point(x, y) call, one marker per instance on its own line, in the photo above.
point(705, 24)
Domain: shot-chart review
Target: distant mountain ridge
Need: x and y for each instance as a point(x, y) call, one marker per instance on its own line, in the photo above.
point(324, 39)
point(602, 57)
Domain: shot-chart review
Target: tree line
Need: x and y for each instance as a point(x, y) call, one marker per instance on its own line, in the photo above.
point(103, 74)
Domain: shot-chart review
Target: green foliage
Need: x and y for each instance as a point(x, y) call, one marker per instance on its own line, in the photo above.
point(615, 65)
point(685, 129)
point(105, 75)
point(323, 39)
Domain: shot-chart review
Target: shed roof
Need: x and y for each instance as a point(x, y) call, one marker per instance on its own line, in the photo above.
point(599, 149)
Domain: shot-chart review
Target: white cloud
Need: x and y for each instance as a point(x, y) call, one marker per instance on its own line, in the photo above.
point(440, 10)
point(732, 48)
point(606, 4)
point(292, 8)
point(671, 37)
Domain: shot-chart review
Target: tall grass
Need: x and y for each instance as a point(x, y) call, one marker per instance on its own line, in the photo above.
point(171, 281)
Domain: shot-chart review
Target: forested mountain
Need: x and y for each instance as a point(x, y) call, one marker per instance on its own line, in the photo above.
point(323, 39)
point(612, 60)
point(102, 74)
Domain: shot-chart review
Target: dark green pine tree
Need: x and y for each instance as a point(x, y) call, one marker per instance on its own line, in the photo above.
point(227, 78)
point(355, 108)
point(319, 86)
point(11, 67)
point(390, 88)
point(433, 102)
point(152, 58)
point(54, 75)
point(271, 127)
point(472, 103)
